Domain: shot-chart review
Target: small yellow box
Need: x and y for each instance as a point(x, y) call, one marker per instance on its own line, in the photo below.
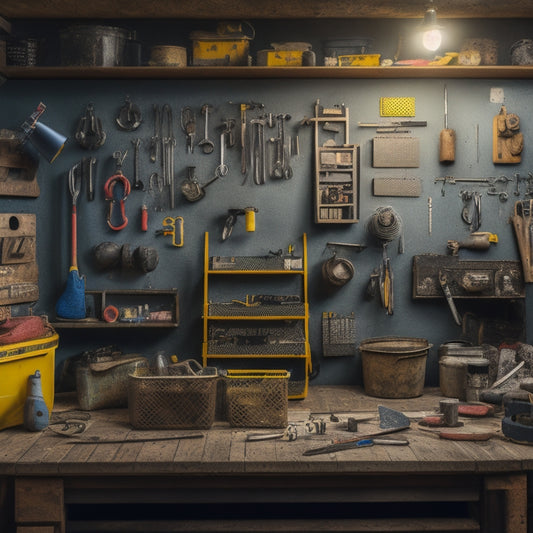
point(279, 58)
point(210, 49)
point(17, 362)
point(356, 60)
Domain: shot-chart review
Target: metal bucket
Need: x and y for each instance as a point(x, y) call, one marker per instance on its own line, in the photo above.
point(94, 46)
point(522, 52)
point(394, 367)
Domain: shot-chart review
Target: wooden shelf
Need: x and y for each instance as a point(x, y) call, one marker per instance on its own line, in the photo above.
point(77, 73)
point(270, 9)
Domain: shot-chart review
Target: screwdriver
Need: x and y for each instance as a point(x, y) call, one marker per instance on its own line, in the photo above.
point(447, 136)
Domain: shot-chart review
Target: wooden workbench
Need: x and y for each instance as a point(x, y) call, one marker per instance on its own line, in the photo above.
point(221, 482)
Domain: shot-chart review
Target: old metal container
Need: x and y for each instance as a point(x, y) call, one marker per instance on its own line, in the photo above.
point(94, 46)
point(394, 367)
point(105, 384)
point(522, 52)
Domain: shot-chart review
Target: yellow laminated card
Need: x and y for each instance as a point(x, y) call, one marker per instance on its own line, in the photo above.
point(397, 106)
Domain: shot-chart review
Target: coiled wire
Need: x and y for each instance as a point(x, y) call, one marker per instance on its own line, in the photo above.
point(386, 225)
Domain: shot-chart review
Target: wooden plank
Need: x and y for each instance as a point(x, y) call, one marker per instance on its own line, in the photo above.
point(155, 457)
point(44, 455)
point(197, 73)
point(189, 455)
point(15, 442)
point(515, 489)
point(218, 452)
point(39, 500)
point(270, 9)
point(354, 525)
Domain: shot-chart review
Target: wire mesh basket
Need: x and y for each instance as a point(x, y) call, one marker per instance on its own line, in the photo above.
point(257, 398)
point(172, 402)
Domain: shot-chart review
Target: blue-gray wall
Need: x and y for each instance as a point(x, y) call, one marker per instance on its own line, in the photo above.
point(285, 207)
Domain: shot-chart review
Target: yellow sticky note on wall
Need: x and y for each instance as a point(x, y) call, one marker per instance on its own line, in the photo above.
point(397, 106)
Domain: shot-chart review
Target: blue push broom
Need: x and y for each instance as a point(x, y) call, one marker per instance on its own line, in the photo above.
point(71, 304)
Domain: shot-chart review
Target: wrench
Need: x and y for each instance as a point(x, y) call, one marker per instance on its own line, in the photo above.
point(258, 150)
point(281, 168)
point(155, 146)
point(137, 183)
point(188, 125)
point(206, 144)
point(222, 168)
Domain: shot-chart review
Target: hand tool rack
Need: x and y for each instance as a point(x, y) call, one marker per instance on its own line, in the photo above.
point(292, 353)
point(336, 169)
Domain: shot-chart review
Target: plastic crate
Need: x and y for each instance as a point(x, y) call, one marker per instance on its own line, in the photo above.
point(257, 398)
point(17, 362)
point(172, 402)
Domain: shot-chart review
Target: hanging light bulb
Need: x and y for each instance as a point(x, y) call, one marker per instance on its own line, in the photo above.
point(431, 31)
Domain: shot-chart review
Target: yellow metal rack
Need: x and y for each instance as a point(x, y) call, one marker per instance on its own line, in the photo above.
point(228, 319)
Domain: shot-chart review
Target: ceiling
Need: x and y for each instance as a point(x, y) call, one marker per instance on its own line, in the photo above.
point(267, 9)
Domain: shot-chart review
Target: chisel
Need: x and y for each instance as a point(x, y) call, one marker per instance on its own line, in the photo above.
point(447, 136)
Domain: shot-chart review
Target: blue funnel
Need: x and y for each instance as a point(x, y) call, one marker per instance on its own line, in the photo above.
point(48, 142)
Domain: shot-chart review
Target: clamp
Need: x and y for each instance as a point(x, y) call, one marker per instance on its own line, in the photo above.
point(109, 192)
point(170, 223)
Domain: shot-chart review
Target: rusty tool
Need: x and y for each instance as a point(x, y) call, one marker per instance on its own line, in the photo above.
point(206, 144)
point(523, 227)
point(449, 299)
point(447, 136)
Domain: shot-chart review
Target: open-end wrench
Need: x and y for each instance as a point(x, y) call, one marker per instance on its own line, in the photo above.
point(222, 168)
point(137, 183)
point(206, 144)
point(258, 150)
point(281, 168)
point(155, 146)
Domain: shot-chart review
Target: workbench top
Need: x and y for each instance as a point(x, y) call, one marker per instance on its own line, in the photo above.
point(224, 450)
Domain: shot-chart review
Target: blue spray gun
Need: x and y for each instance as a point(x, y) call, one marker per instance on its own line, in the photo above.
point(36, 415)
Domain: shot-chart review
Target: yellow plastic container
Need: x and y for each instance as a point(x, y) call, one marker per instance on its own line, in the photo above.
point(279, 58)
point(17, 362)
point(211, 49)
point(358, 60)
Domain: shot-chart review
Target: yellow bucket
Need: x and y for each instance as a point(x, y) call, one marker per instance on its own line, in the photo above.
point(17, 362)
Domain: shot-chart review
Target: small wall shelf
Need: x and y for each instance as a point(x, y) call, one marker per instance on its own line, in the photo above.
point(150, 301)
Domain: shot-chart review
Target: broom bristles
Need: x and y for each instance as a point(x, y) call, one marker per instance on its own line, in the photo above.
point(71, 303)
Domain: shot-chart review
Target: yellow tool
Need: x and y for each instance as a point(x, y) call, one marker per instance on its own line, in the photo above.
point(479, 240)
point(170, 223)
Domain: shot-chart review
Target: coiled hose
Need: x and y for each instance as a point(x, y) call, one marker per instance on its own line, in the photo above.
point(386, 225)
